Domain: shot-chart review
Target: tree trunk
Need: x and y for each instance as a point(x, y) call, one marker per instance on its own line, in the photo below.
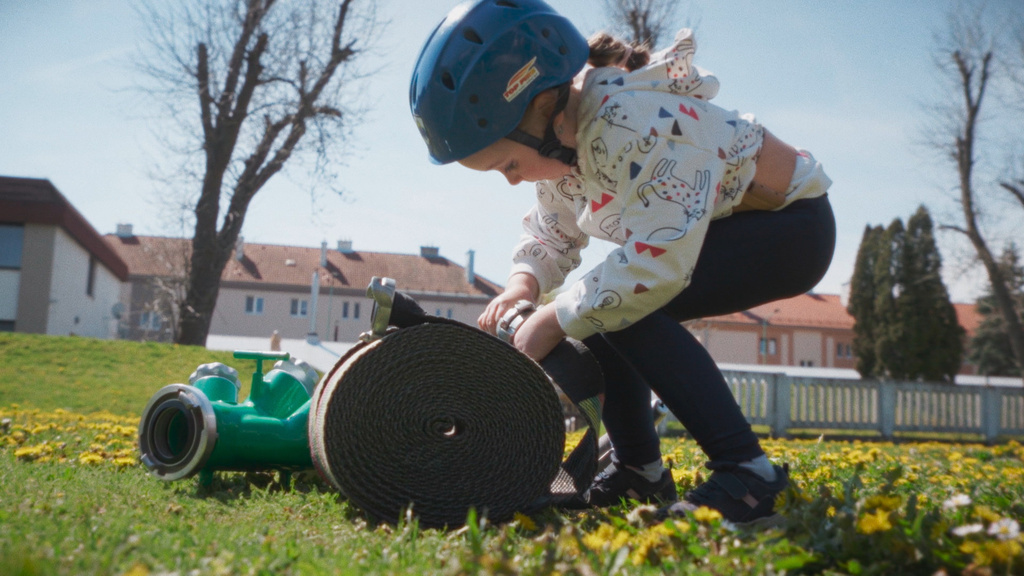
point(964, 157)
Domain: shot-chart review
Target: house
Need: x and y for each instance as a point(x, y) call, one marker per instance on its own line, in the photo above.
point(57, 274)
point(809, 330)
point(299, 292)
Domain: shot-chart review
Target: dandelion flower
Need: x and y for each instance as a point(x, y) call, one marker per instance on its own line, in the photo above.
point(871, 523)
point(1005, 529)
point(706, 515)
point(967, 529)
point(124, 461)
point(525, 521)
point(90, 458)
point(956, 501)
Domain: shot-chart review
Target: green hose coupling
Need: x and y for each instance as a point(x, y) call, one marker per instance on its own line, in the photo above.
point(201, 427)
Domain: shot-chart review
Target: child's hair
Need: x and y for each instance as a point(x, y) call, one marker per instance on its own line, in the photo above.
point(607, 50)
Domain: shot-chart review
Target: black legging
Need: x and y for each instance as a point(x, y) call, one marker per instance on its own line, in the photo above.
point(747, 259)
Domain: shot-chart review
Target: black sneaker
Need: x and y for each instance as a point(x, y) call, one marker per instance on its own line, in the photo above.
point(610, 488)
point(744, 499)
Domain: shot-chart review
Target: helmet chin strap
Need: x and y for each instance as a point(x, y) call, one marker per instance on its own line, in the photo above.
point(550, 146)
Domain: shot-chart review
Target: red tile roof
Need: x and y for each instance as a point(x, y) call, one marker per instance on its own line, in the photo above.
point(294, 266)
point(37, 201)
point(817, 310)
point(969, 318)
point(823, 311)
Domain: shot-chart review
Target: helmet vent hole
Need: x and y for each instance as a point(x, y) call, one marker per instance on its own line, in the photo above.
point(473, 98)
point(472, 36)
point(545, 33)
point(506, 4)
point(448, 81)
point(563, 49)
point(482, 122)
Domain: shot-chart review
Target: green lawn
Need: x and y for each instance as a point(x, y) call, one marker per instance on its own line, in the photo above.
point(75, 500)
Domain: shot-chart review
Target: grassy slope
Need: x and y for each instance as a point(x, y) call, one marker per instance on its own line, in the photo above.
point(859, 510)
point(87, 375)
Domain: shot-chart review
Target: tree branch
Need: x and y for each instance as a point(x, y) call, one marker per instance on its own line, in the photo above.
point(952, 228)
point(205, 100)
point(1017, 190)
point(253, 16)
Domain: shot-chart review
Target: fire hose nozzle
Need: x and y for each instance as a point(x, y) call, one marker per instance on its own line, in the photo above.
point(513, 318)
point(382, 292)
point(202, 427)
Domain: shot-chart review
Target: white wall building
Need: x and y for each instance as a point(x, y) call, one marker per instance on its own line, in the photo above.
point(57, 274)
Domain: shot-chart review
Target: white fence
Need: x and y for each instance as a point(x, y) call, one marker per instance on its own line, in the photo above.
point(785, 403)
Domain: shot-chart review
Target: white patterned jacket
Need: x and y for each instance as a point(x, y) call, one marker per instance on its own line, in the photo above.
point(657, 162)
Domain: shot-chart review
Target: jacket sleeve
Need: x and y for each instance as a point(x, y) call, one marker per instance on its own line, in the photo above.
point(667, 188)
point(551, 243)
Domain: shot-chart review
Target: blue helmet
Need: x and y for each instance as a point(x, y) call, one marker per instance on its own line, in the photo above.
point(481, 68)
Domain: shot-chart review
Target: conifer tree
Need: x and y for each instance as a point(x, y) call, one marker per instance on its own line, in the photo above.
point(932, 338)
point(889, 353)
point(862, 301)
point(990, 348)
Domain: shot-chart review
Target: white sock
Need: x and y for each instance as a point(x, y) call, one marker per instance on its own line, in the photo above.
point(761, 466)
point(651, 471)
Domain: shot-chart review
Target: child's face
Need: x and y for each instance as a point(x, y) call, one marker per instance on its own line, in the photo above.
point(517, 162)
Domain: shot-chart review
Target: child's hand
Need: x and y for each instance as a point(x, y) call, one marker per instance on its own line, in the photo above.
point(520, 287)
point(539, 334)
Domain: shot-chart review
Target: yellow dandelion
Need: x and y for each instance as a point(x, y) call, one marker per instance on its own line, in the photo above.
point(523, 520)
point(599, 538)
point(706, 515)
point(124, 462)
point(987, 514)
point(90, 458)
point(887, 503)
point(871, 523)
point(831, 512)
point(28, 453)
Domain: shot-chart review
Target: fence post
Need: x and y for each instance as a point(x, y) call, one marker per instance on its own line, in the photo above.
point(886, 408)
point(780, 407)
point(991, 398)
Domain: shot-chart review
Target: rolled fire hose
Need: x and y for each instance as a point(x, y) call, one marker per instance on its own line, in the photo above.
point(437, 416)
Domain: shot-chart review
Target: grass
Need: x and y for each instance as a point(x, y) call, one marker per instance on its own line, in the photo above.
point(86, 374)
point(75, 500)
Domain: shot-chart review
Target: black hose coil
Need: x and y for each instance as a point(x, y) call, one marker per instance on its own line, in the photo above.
point(440, 417)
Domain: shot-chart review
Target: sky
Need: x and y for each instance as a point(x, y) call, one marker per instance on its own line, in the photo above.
point(845, 80)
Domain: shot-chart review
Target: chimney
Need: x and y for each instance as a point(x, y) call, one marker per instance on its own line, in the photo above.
point(470, 273)
point(312, 337)
point(430, 251)
point(323, 254)
point(124, 231)
point(240, 249)
point(345, 246)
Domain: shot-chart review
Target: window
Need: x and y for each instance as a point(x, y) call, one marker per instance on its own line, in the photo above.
point(450, 313)
point(149, 320)
point(344, 309)
point(299, 307)
point(807, 363)
point(253, 305)
point(355, 311)
point(771, 349)
point(90, 282)
point(12, 239)
point(844, 350)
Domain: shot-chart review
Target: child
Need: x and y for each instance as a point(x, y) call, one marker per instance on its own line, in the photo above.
point(711, 212)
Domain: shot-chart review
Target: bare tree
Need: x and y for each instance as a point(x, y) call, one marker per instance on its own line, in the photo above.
point(967, 60)
point(248, 85)
point(644, 21)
